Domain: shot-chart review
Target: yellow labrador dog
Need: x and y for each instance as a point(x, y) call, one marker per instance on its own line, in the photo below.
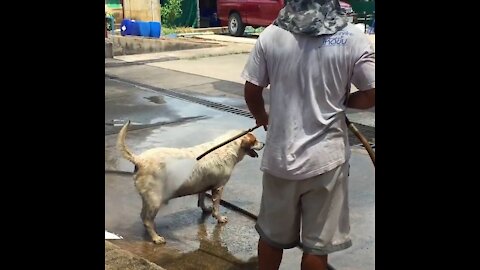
point(162, 174)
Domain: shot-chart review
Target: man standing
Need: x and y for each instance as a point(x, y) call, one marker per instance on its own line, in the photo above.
point(309, 56)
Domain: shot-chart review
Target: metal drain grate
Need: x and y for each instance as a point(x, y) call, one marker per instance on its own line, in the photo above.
point(210, 104)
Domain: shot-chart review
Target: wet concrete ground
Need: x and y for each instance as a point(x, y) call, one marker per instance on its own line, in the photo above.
point(195, 241)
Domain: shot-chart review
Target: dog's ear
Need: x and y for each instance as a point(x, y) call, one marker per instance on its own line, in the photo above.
point(247, 142)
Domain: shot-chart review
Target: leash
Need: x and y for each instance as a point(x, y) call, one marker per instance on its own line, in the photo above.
point(350, 125)
point(227, 141)
point(362, 139)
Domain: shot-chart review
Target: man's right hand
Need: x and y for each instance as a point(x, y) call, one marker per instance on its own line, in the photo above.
point(256, 104)
point(262, 120)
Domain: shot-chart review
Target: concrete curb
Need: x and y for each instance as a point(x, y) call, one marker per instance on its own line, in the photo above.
point(133, 45)
point(227, 38)
point(116, 259)
point(108, 48)
point(222, 49)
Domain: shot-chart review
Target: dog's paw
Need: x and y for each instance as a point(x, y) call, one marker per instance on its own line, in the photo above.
point(222, 219)
point(159, 240)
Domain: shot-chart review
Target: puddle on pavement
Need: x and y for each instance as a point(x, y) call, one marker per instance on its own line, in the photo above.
point(205, 245)
point(156, 99)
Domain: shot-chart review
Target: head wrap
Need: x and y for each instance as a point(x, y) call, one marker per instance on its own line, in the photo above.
point(312, 17)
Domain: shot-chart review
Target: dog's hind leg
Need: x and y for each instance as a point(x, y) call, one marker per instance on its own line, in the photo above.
point(216, 196)
point(150, 206)
point(201, 202)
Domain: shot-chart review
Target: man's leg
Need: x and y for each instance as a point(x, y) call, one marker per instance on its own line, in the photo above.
point(314, 262)
point(278, 222)
point(269, 257)
point(325, 218)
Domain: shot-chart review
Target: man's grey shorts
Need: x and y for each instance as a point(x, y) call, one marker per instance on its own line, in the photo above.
point(317, 206)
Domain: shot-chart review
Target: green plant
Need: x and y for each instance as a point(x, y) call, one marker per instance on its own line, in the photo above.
point(110, 20)
point(172, 30)
point(170, 12)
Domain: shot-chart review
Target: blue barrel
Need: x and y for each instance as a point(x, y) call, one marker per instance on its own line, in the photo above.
point(144, 28)
point(125, 27)
point(134, 28)
point(155, 29)
point(129, 28)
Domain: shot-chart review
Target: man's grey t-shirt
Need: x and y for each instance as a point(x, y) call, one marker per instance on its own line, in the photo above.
point(309, 79)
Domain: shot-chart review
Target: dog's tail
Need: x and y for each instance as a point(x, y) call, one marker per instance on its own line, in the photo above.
point(122, 147)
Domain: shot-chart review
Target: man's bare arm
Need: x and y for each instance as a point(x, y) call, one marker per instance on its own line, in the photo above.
point(362, 99)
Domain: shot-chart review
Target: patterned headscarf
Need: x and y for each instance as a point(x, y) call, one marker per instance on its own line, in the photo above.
point(311, 17)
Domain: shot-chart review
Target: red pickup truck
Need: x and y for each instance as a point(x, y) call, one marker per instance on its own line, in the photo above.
point(237, 14)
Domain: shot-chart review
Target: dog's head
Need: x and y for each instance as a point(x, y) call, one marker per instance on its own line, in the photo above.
point(250, 143)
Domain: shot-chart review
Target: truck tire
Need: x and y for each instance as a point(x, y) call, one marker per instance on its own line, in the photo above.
point(235, 25)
